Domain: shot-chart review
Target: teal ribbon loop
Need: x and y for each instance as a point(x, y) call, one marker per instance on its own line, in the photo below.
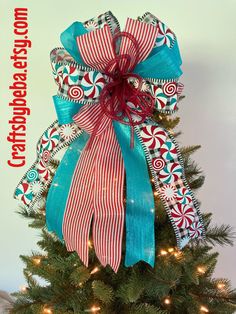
point(140, 239)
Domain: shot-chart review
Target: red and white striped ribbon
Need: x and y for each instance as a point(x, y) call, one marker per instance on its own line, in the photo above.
point(96, 48)
point(145, 35)
point(97, 192)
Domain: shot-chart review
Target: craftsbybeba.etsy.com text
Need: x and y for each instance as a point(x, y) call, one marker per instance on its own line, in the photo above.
point(18, 88)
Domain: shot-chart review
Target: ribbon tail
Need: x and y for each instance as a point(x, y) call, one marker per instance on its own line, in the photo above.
point(167, 168)
point(140, 239)
point(108, 201)
point(79, 207)
point(60, 186)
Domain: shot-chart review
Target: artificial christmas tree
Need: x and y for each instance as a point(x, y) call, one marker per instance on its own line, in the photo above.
point(180, 282)
point(114, 91)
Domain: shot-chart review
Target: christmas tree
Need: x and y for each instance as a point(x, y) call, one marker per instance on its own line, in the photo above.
point(180, 282)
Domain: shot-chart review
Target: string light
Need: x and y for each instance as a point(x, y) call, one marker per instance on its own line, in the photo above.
point(93, 309)
point(178, 254)
point(95, 270)
point(47, 310)
point(155, 193)
point(152, 180)
point(37, 261)
point(90, 244)
point(204, 309)
point(220, 285)
point(163, 252)
point(171, 249)
point(23, 288)
point(167, 300)
point(201, 270)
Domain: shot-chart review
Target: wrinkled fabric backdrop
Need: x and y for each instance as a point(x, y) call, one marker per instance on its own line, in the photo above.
point(206, 35)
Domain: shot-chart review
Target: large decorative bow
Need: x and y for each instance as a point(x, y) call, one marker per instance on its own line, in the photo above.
point(109, 83)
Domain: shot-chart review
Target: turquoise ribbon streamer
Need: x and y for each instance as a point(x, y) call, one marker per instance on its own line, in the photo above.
point(65, 109)
point(140, 239)
point(60, 187)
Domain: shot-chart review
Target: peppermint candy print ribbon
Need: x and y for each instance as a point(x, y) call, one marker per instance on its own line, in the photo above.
point(166, 166)
point(38, 177)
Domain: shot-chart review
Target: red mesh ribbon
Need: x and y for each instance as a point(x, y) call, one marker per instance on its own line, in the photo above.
point(120, 100)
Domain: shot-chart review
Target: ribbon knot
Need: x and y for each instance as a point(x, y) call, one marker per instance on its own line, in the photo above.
point(120, 100)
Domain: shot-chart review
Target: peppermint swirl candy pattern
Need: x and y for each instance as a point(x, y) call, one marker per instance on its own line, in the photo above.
point(171, 173)
point(168, 151)
point(158, 164)
point(24, 193)
point(50, 139)
point(39, 147)
point(32, 175)
point(144, 86)
point(183, 215)
point(195, 230)
point(168, 192)
point(91, 25)
point(135, 117)
point(46, 156)
point(70, 75)
point(184, 196)
point(43, 171)
point(36, 187)
point(57, 70)
point(75, 92)
point(92, 83)
point(67, 131)
point(165, 35)
point(170, 89)
point(160, 97)
point(173, 103)
point(153, 136)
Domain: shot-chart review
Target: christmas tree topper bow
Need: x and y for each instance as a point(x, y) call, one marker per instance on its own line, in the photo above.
point(109, 83)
